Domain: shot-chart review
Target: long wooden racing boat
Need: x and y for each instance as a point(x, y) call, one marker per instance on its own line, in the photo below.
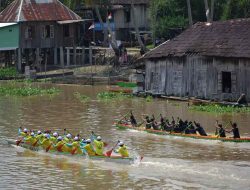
point(116, 159)
point(195, 136)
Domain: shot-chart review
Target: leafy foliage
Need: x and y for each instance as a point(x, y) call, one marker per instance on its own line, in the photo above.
point(27, 90)
point(220, 109)
point(81, 97)
point(112, 95)
point(8, 72)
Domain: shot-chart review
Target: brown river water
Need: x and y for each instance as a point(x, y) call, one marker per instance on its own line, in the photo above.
point(169, 162)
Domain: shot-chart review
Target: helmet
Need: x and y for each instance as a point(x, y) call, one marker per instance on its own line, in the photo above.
point(55, 134)
point(84, 140)
point(25, 130)
point(39, 132)
point(88, 141)
point(32, 134)
point(68, 135)
point(59, 138)
point(121, 143)
point(46, 135)
point(99, 138)
point(76, 139)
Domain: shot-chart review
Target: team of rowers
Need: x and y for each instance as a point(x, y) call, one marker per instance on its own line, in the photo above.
point(179, 126)
point(94, 146)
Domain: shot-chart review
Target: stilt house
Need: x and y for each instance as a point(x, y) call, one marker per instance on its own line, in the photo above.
point(208, 60)
point(36, 32)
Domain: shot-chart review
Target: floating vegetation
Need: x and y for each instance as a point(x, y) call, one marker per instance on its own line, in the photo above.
point(149, 98)
point(214, 108)
point(81, 97)
point(9, 72)
point(112, 95)
point(26, 90)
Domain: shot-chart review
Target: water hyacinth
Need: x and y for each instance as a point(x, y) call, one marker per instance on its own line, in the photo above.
point(220, 109)
point(112, 95)
point(81, 97)
point(26, 91)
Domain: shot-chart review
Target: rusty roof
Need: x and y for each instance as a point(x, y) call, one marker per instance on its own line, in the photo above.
point(128, 2)
point(37, 10)
point(221, 39)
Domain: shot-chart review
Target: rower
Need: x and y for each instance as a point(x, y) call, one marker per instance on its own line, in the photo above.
point(60, 145)
point(148, 122)
point(31, 139)
point(89, 149)
point(53, 139)
point(68, 137)
point(221, 130)
point(235, 130)
point(76, 145)
point(122, 150)
point(45, 142)
point(99, 145)
point(133, 120)
point(23, 133)
point(200, 129)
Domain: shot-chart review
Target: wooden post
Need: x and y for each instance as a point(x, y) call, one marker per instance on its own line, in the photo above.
point(74, 54)
point(19, 59)
point(83, 55)
point(55, 56)
point(68, 56)
point(61, 57)
point(90, 55)
point(37, 62)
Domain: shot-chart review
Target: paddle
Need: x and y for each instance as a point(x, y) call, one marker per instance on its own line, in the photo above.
point(74, 150)
point(47, 149)
point(34, 144)
point(108, 153)
point(59, 148)
point(123, 117)
point(18, 142)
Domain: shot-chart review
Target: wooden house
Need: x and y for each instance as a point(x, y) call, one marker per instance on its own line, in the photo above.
point(39, 31)
point(123, 18)
point(208, 60)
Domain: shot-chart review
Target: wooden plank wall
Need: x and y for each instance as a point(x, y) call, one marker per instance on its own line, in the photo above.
point(197, 76)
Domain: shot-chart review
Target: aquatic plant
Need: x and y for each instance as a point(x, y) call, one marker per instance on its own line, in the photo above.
point(112, 95)
point(81, 97)
point(149, 98)
point(214, 108)
point(9, 72)
point(26, 90)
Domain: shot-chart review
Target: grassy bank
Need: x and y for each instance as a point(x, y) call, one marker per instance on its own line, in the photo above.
point(9, 72)
point(220, 109)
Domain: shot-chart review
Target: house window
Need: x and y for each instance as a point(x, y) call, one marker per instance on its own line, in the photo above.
point(48, 31)
point(127, 15)
point(226, 82)
point(29, 32)
point(66, 30)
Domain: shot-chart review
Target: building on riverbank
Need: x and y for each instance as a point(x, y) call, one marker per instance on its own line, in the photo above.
point(35, 33)
point(208, 61)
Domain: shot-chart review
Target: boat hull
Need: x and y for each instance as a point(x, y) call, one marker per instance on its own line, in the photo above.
point(194, 136)
point(116, 159)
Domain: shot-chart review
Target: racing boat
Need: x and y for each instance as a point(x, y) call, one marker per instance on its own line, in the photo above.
point(116, 159)
point(195, 136)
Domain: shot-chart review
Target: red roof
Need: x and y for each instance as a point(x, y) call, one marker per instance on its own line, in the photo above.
point(37, 10)
point(220, 39)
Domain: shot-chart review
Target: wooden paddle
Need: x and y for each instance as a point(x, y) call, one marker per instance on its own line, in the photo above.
point(34, 144)
point(74, 150)
point(108, 153)
point(47, 149)
point(18, 142)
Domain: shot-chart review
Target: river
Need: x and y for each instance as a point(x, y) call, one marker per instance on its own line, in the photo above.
point(169, 162)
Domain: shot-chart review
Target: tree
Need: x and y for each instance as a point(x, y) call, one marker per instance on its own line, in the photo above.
point(236, 9)
point(190, 19)
point(166, 16)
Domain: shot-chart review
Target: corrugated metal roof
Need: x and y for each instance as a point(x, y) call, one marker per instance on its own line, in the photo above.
point(222, 39)
point(37, 10)
point(7, 24)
